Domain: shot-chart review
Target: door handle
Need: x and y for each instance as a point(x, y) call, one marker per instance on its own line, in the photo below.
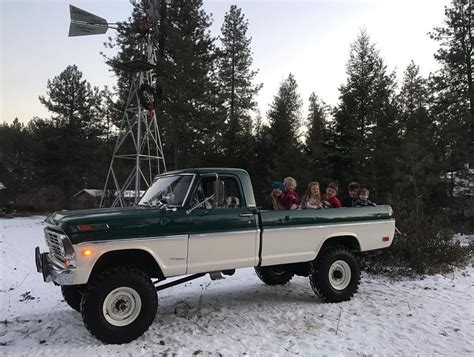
point(248, 215)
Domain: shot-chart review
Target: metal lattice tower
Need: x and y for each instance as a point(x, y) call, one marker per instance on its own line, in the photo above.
point(139, 138)
point(139, 134)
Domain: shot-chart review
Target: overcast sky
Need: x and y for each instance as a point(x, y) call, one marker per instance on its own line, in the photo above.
point(310, 39)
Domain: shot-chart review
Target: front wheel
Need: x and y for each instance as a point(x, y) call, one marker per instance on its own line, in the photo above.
point(335, 274)
point(119, 305)
point(72, 294)
point(274, 274)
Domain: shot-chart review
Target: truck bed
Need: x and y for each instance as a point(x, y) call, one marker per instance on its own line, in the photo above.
point(297, 235)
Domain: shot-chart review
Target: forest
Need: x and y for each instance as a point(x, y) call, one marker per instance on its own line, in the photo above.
point(408, 140)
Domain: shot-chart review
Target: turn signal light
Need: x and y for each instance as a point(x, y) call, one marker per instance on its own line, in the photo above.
point(385, 239)
point(85, 227)
point(87, 252)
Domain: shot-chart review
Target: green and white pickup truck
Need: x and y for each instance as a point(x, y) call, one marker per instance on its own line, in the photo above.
point(111, 262)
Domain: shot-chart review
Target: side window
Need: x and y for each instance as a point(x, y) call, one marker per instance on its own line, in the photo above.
point(232, 194)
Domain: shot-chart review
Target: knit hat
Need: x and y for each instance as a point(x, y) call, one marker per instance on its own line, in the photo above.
point(279, 185)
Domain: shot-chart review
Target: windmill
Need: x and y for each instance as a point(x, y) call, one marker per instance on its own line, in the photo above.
point(138, 141)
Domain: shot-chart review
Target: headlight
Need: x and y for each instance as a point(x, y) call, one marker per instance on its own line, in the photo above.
point(67, 251)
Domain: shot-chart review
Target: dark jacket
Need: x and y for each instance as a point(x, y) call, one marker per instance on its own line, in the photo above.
point(348, 201)
point(268, 203)
point(361, 203)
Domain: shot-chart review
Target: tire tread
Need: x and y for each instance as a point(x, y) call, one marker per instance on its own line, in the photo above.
point(319, 286)
point(97, 282)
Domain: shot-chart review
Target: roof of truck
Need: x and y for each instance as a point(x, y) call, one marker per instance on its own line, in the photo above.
point(206, 170)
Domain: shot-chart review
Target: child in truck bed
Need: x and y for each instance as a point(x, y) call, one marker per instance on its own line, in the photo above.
point(363, 199)
point(312, 198)
point(273, 201)
point(329, 198)
point(290, 198)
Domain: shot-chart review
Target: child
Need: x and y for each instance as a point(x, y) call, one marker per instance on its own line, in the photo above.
point(312, 198)
point(352, 196)
point(363, 199)
point(290, 198)
point(330, 199)
point(273, 201)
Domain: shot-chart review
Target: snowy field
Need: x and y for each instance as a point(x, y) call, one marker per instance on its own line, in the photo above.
point(239, 315)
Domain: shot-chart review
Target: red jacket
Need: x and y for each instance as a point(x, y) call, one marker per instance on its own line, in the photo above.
point(289, 198)
point(334, 201)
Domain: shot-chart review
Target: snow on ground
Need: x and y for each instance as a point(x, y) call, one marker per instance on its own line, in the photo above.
point(239, 315)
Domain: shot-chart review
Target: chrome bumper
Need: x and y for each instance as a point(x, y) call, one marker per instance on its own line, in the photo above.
point(51, 271)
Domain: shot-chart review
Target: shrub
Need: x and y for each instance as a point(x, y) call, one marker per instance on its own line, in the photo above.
point(425, 246)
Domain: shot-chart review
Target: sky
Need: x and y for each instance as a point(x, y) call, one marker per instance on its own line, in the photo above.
point(310, 39)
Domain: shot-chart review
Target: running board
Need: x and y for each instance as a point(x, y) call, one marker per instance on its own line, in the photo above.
point(178, 281)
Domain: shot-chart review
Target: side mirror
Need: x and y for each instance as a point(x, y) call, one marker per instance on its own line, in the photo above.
point(218, 193)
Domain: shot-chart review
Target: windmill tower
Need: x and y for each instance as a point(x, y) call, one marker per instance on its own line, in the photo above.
point(138, 147)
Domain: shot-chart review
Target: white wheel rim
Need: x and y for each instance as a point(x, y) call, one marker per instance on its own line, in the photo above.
point(122, 306)
point(339, 275)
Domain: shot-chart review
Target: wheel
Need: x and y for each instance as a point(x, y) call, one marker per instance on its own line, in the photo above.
point(72, 294)
point(335, 274)
point(274, 274)
point(119, 305)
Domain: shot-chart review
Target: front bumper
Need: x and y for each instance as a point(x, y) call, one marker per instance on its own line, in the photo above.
point(51, 271)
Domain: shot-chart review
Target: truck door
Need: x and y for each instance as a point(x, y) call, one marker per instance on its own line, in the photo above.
point(221, 236)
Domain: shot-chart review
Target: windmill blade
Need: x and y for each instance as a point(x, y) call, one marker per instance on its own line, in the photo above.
point(80, 15)
point(84, 23)
point(82, 29)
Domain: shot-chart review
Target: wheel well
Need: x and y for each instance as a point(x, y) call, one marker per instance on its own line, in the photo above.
point(132, 257)
point(349, 242)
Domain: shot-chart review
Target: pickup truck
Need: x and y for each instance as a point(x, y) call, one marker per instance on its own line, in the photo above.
point(111, 262)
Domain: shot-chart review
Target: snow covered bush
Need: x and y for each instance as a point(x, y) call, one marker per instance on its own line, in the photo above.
point(425, 246)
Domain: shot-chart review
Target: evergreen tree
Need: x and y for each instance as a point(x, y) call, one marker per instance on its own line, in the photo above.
point(453, 84)
point(317, 145)
point(366, 128)
point(237, 88)
point(419, 175)
point(188, 107)
point(284, 115)
point(128, 43)
point(15, 160)
point(72, 137)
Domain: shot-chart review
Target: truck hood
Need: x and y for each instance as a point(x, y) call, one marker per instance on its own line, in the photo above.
point(109, 223)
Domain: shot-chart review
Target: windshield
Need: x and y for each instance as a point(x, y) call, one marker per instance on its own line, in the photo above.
point(167, 189)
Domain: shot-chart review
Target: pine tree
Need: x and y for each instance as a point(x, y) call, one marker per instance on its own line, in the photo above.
point(72, 136)
point(317, 145)
point(366, 128)
point(188, 107)
point(284, 117)
point(15, 160)
point(237, 88)
point(128, 45)
point(453, 84)
point(74, 103)
point(419, 175)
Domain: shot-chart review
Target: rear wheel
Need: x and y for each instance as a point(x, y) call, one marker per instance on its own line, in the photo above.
point(335, 274)
point(274, 274)
point(119, 305)
point(72, 294)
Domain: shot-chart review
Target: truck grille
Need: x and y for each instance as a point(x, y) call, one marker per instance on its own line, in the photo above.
point(54, 243)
